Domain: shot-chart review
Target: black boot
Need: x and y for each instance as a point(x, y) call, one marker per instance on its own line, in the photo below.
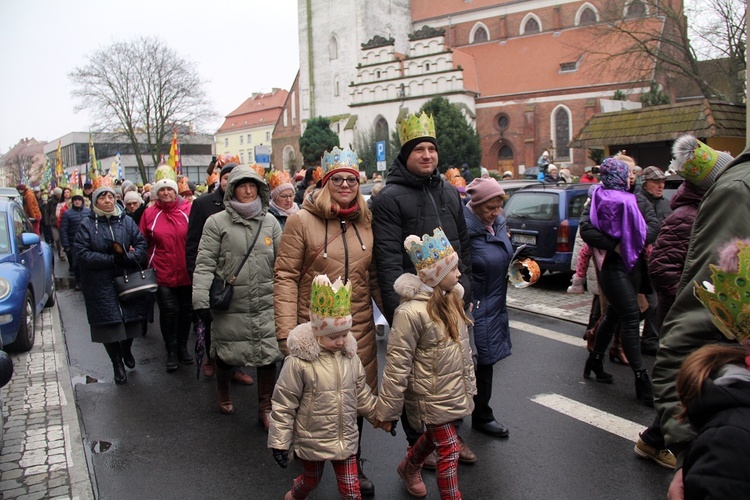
point(595, 363)
point(182, 350)
point(127, 353)
point(643, 391)
point(113, 350)
point(366, 486)
point(171, 357)
point(266, 376)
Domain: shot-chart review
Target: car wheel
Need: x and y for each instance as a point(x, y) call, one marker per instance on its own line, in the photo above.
point(53, 289)
point(27, 330)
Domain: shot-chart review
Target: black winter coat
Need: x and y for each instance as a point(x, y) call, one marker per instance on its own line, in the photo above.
point(670, 248)
point(407, 205)
point(203, 207)
point(71, 221)
point(661, 205)
point(98, 269)
point(716, 464)
point(48, 213)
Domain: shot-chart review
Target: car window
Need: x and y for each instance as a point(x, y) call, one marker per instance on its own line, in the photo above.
point(19, 226)
point(533, 206)
point(4, 234)
point(575, 205)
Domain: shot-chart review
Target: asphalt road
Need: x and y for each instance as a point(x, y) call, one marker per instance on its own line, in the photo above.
point(162, 436)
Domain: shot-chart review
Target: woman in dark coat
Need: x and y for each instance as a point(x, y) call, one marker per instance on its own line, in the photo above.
point(113, 323)
point(491, 253)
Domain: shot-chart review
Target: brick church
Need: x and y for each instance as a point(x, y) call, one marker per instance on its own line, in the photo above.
point(526, 74)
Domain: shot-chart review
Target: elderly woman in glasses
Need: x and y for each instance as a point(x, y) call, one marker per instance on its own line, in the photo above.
point(331, 234)
point(282, 196)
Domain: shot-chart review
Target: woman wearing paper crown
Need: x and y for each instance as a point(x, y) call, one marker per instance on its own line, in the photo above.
point(164, 225)
point(429, 370)
point(330, 235)
point(244, 334)
point(282, 196)
point(320, 392)
point(106, 243)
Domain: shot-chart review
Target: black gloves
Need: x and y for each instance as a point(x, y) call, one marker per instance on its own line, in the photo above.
point(119, 259)
point(281, 457)
point(204, 315)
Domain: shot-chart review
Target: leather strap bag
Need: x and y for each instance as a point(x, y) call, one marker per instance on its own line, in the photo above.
point(136, 284)
point(221, 291)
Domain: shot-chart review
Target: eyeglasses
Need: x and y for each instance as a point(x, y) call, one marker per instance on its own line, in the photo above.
point(286, 196)
point(338, 181)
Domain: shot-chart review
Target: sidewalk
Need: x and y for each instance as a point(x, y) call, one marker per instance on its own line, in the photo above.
point(551, 302)
point(42, 454)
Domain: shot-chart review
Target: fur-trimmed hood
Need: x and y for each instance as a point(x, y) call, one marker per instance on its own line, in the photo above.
point(408, 285)
point(303, 344)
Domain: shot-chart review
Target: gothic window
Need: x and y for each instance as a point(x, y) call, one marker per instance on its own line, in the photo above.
point(531, 26)
point(635, 9)
point(480, 34)
point(562, 133)
point(336, 87)
point(381, 129)
point(588, 16)
point(333, 48)
point(427, 66)
point(505, 153)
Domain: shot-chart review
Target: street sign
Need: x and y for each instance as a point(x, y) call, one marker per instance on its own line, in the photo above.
point(263, 155)
point(380, 155)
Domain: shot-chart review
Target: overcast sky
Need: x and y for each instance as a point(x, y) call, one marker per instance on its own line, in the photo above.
point(239, 46)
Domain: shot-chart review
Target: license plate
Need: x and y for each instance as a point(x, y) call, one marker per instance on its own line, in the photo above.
point(524, 239)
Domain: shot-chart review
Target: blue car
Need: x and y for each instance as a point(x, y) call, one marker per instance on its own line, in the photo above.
point(27, 281)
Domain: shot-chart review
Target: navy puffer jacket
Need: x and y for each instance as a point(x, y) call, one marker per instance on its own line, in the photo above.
point(671, 245)
point(98, 268)
point(71, 221)
point(490, 258)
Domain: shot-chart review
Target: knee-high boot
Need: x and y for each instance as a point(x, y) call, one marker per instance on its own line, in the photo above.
point(266, 382)
point(616, 352)
point(223, 383)
point(127, 353)
point(182, 350)
point(113, 350)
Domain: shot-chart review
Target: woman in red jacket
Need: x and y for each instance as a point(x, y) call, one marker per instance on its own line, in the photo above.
point(165, 224)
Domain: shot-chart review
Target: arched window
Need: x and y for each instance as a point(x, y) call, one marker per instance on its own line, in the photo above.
point(562, 133)
point(505, 153)
point(636, 8)
point(336, 87)
point(381, 129)
point(333, 48)
point(531, 25)
point(588, 16)
point(479, 34)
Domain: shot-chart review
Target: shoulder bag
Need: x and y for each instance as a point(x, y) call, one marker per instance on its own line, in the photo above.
point(136, 284)
point(221, 291)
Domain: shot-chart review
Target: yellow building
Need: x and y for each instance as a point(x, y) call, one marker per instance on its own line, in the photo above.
point(247, 130)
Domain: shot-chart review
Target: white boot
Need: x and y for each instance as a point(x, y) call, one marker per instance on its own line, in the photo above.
point(577, 286)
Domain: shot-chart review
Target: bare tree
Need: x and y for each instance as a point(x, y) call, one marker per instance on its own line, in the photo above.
point(658, 30)
point(141, 88)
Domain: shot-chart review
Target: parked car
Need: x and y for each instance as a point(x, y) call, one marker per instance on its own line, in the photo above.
point(9, 193)
point(511, 187)
point(545, 217)
point(531, 173)
point(671, 184)
point(6, 372)
point(27, 281)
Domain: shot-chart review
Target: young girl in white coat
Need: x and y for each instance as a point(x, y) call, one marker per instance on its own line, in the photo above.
point(320, 393)
point(429, 368)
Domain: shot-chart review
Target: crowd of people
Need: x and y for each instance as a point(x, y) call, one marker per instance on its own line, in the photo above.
point(310, 266)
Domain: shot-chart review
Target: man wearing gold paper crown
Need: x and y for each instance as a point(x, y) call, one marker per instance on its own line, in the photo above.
point(723, 215)
point(415, 200)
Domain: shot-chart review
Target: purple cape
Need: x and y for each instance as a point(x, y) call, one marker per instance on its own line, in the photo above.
point(616, 214)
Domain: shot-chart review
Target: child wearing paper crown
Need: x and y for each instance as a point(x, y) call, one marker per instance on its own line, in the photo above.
point(319, 394)
point(429, 368)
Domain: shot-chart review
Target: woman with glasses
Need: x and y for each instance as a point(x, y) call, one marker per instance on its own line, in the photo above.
point(282, 196)
point(331, 234)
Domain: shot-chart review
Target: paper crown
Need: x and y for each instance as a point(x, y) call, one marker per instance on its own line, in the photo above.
point(76, 192)
point(102, 181)
point(414, 126)
point(165, 172)
point(276, 178)
point(338, 159)
point(432, 256)
point(224, 159)
point(330, 306)
point(698, 163)
point(727, 297)
point(259, 170)
point(183, 186)
point(453, 175)
point(523, 273)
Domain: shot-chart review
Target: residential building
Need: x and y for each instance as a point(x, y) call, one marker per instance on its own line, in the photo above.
point(26, 158)
point(285, 152)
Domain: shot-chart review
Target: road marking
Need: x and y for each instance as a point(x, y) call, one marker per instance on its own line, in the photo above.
point(590, 415)
point(550, 334)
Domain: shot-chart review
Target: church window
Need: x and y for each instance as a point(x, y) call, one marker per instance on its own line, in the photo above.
point(588, 16)
point(562, 133)
point(531, 26)
point(333, 48)
point(635, 9)
point(479, 35)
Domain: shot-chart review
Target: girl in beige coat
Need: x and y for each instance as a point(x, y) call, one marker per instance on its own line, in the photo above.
point(319, 394)
point(429, 369)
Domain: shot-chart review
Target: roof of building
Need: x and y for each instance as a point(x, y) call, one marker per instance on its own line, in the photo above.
point(532, 63)
point(427, 9)
point(259, 109)
point(466, 62)
point(701, 118)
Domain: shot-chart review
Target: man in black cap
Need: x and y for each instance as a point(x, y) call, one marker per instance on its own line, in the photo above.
point(88, 190)
point(204, 207)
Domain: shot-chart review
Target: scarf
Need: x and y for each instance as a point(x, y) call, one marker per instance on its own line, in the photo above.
point(247, 210)
point(285, 213)
point(114, 213)
point(616, 214)
point(351, 213)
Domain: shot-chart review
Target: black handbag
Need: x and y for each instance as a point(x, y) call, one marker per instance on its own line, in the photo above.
point(221, 291)
point(136, 284)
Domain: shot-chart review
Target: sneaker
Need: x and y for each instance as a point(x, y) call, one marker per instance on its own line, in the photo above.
point(662, 456)
point(575, 289)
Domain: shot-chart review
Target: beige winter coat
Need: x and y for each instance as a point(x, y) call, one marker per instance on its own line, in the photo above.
point(303, 255)
point(425, 371)
point(317, 399)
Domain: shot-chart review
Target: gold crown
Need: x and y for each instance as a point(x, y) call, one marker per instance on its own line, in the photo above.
point(330, 300)
point(728, 296)
point(276, 178)
point(413, 127)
